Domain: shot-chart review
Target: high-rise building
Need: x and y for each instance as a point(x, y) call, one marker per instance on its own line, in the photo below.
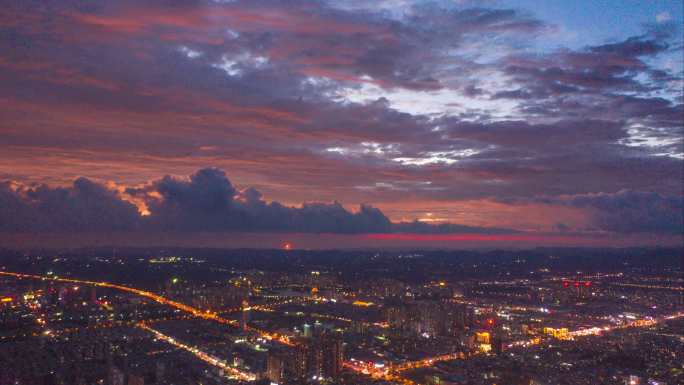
point(307, 330)
point(297, 360)
point(316, 360)
point(497, 343)
point(333, 354)
point(274, 366)
point(320, 356)
point(244, 319)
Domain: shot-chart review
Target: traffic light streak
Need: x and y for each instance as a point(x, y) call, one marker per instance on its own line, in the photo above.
point(386, 374)
point(208, 315)
point(206, 357)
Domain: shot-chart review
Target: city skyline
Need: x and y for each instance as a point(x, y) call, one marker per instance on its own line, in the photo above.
point(553, 316)
point(340, 124)
point(341, 192)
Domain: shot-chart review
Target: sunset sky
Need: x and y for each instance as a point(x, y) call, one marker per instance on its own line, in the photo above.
point(390, 123)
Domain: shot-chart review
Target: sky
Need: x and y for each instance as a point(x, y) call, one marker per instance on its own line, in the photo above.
point(337, 124)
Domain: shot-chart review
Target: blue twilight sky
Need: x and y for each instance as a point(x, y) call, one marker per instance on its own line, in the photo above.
point(583, 23)
point(598, 21)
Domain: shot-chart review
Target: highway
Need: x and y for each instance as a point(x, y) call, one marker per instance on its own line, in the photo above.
point(206, 357)
point(155, 297)
point(387, 374)
point(632, 324)
point(650, 287)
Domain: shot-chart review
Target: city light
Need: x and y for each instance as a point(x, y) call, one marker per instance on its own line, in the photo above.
point(501, 330)
point(221, 364)
point(393, 192)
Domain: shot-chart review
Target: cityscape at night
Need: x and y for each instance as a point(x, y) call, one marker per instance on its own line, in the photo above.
point(542, 316)
point(342, 192)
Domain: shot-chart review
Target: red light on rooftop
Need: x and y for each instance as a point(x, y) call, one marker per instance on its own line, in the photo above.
point(577, 283)
point(287, 246)
point(566, 283)
point(587, 284)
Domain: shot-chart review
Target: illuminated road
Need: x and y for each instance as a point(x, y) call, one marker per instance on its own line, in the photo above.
point(206, 357)
point(633, 324)
point(387, 374)
point(393, 373)
point(155, 297)
point(113, 324)
point(367, 369)
point(595, 331)
point(197, 313)
point(268, 308)
point(427, 362)
point(651, 287)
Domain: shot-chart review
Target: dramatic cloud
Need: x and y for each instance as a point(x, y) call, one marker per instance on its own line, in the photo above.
point(207, 201)
point(86, 206)
point(418, 107)
point(626, 211)
point(634, 212)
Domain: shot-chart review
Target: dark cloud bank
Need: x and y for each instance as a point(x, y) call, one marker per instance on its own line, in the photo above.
point(633, 211)
point(149, 86)
point(208, 201)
